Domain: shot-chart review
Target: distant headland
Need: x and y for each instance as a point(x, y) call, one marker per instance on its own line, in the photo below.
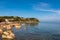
point(18, 19)
point(8, 22)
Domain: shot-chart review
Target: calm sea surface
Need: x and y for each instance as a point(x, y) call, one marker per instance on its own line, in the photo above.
point(41, 31)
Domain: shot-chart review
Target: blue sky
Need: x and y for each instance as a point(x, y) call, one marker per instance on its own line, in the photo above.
point(45, 10)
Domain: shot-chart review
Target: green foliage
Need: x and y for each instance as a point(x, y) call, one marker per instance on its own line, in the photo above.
point(16, 18)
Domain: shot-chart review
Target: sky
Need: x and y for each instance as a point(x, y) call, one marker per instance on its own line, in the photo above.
point(44, 10)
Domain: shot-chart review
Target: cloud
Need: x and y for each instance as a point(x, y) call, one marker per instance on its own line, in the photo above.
point(45, 7)
point(42, 5)
point(50, 10)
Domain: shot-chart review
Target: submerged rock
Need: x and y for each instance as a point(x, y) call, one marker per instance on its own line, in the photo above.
point(18, 27)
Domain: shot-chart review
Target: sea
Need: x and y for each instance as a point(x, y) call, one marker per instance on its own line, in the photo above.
point(38, 31)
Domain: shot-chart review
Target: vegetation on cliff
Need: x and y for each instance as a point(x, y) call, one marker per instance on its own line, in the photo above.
point(18, 19)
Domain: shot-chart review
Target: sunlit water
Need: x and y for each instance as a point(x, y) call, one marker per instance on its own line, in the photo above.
point(41, 31)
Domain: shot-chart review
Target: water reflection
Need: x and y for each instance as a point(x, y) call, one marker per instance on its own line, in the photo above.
point(42, 31)
point(32, 24)
point(25, 29)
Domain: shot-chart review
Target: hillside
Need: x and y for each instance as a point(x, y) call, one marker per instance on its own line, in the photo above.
point(18, 19)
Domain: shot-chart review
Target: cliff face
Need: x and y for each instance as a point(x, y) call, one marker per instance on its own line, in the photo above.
point(18, 19)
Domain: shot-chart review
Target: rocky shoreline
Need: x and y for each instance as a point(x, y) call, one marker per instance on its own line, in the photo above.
point(8, 22)
point(6, 30)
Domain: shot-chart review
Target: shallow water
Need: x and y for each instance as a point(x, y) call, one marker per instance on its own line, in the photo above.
point(41, 31)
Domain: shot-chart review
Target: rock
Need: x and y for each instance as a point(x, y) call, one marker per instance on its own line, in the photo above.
point(1, 31)
point(17, 27)
point(9, 27)
point(4, 26)
point(8, 35)
point(11, 34)
point(5, 33)
point(4, 36)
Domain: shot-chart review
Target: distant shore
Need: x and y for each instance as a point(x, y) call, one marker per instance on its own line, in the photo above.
point(18, 19)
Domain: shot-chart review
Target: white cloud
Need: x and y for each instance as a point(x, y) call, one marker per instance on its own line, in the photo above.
point(42, 5)
point(45, 7)
point(50, 10)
